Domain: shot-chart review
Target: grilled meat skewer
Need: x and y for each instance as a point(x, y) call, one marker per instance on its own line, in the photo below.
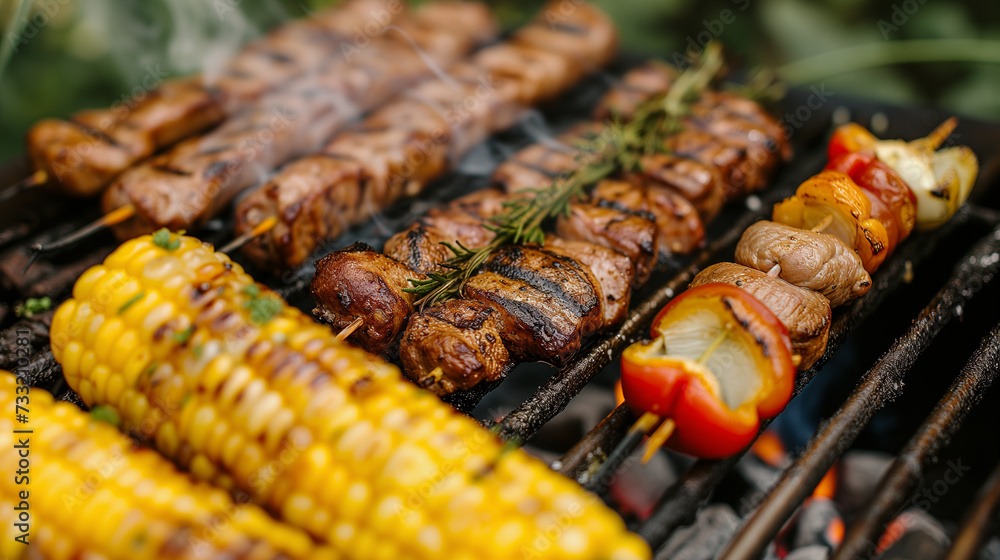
point(82, 154)
point(463, 220)
point(191, 183)
point(615, 234)
point(389, 157)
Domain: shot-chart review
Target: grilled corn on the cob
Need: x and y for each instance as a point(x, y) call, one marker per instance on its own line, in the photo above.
point(250, 393)
point(91, 494)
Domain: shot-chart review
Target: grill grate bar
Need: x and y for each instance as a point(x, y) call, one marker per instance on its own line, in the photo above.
point(679, 504)
point(898, 484)
point(982, 517)
point(882, 383)
point(577, 463)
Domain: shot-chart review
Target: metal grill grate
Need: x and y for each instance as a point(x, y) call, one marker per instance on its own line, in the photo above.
point(677, 507)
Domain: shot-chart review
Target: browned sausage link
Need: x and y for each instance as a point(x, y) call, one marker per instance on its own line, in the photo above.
point(679, 228)
point(360, 282)
point(194, 181)
point(547, 302)
point(453, 346)
point(392, 155)
point(83, 154)
point(341, 295)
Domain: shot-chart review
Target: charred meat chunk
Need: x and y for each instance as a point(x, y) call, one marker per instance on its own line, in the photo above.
point(358, 282)
point(547, 302)
point(453, 346)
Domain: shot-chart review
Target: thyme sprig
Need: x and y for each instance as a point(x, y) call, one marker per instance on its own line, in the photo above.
point(624, 146)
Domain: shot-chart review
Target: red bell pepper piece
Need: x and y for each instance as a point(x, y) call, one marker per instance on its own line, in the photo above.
point(850, 138)
point(885, 188)
point(719, 363)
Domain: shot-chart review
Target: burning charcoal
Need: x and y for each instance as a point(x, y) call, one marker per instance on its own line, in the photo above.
point(914, 535)
point(759, 476)
point(818, 524)
point(637, 485)
point(860, 472)
point(991, 551)
point(714, 526)
point(814, 552)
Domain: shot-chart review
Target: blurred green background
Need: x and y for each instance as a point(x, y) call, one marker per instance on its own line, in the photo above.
point(74, 54)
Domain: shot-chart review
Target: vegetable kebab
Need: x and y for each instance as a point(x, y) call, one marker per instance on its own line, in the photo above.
point(724, 353)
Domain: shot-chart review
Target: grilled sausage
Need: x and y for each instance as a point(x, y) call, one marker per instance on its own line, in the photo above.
point(359, 282)
point(499, 80)
point(805, 313)
point(195, 180)
point(83, 154)
point(679, 229)
point(808, 259)
point(453, 346)
point(630, 233)
point(547, 302)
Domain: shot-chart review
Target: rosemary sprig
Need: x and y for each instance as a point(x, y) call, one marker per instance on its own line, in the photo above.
point(523, 218)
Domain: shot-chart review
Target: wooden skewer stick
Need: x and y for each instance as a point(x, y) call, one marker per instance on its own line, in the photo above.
point(825, 223)
point(666, 429)
point(31, 181)
point(659, 437)
point(258, 230)
point(349, 329)
point(937, 136)
point(775, 271)
point(112, 218)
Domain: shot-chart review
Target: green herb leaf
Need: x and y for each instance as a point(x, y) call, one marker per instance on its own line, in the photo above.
point(183, 336)
point(263, 309)
point(163, 238)
point(33, 306)
point(130, 302)
point(105, 413)
point(252, 290)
